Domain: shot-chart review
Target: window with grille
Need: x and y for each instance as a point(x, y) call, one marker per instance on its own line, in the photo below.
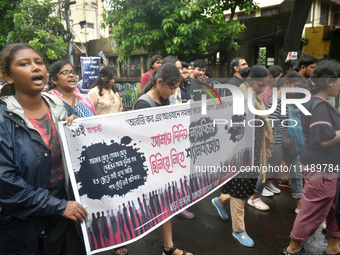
point(324, 12)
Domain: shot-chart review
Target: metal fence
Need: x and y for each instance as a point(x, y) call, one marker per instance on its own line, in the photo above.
point(129, 93)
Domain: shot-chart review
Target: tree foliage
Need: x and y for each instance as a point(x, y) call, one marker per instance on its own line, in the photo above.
point(34, 23)
point(174, 27)
point(7, 11)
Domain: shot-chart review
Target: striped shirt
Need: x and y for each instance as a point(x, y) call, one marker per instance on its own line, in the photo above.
point(277, 120)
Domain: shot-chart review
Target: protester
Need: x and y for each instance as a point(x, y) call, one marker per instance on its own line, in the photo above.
point(163, 83)
point(306, 65)
point(191, 68)
point(291, 79)
point(160, 90)
point(236, 65)
point(155, 63)
point(62, 83)
point(275, 73)
point(176, 97)
point(104, 93)
point(200, 67)
point(322, 145)
point(35, 216)
point(237, 190)
point(185, 86)
point(174, 60)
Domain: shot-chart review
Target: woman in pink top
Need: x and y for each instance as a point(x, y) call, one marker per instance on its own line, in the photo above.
point(62, 83)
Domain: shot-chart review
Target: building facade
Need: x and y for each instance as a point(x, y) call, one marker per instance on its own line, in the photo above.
point(266, 30)
point(260, 42)
point(85, 17)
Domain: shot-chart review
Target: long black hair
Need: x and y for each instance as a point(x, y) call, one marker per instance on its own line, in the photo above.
point(6, 59)
point(291, 76)
point(107, 72)
point(325, 72)
point(258, 72)
point(170, 75)
point(275, 71)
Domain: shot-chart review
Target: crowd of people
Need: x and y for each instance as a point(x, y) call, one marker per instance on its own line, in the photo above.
point(37, 214)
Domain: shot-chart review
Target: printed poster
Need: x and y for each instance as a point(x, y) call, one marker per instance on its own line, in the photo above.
point(90, 69)
point(134, 170)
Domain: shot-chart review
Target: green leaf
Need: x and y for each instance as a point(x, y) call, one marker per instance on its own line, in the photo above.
point(51, 54)
point(182, 28)
point(33, 22)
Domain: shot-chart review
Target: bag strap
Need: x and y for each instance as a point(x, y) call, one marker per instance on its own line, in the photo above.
point(315, 103)
point(293, 114)
point(275, 130)
point(148, 99)
point(295, 111)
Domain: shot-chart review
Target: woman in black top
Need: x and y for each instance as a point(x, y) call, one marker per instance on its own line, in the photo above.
point(163, 83)
point(238, 189)
point(319, 161)
point(159, 89)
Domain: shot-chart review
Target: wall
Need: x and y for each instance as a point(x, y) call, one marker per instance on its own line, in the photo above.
point(317, 46)
point(89, 11)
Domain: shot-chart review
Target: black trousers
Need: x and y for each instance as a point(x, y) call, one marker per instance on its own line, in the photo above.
point(63, 239)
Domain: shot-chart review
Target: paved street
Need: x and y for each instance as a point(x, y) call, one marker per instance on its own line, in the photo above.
point(208, 234)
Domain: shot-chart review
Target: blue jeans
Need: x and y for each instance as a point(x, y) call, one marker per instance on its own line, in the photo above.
point(292, 162)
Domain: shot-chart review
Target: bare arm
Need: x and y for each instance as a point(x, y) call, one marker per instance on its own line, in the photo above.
point(333, 141)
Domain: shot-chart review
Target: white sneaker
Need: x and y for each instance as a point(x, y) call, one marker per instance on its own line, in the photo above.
point(258, 204)
point(272, 188)
point(267, 193)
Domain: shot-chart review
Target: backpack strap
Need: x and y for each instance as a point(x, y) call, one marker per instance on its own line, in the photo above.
point(148, 99)
point(294, 110)
point(318, 101)
point(315, 103)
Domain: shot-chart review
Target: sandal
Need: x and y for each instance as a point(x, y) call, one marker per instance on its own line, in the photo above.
point(172, 250)
point(300, 252)
point(115, 251)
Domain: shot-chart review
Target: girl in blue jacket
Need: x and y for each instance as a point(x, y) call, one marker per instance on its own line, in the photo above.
point(35, 214)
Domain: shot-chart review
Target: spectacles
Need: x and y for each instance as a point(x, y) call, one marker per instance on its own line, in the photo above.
point(66, 72)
